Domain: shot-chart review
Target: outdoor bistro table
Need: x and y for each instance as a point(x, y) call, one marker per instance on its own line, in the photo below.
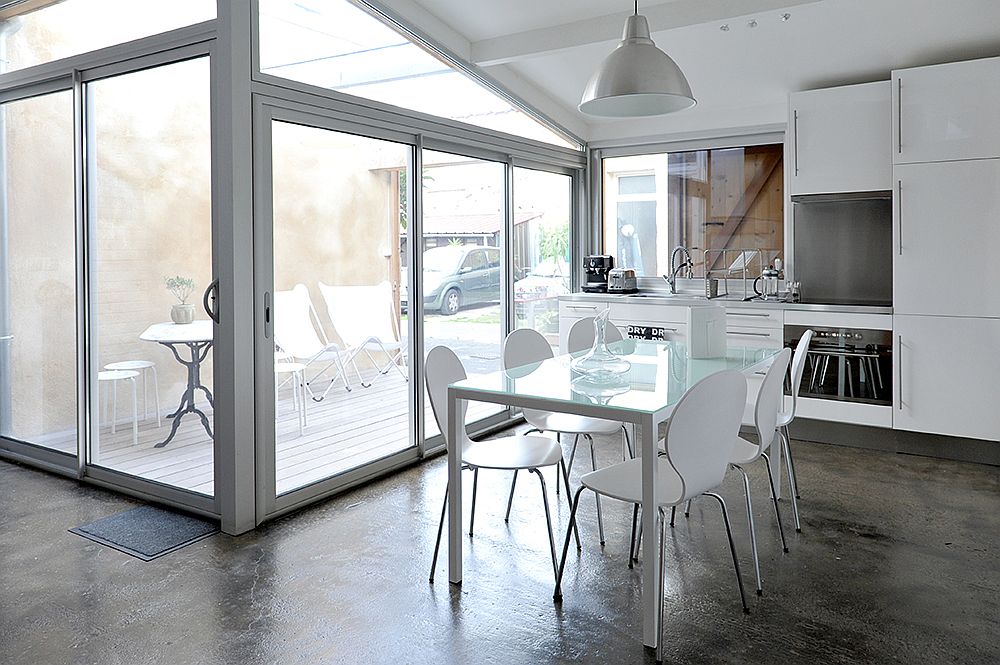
point(197, 337)
point(661, 373)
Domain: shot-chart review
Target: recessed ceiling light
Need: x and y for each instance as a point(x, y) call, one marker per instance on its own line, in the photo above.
point(724, 27)
point(785, 17)
point(752, 23)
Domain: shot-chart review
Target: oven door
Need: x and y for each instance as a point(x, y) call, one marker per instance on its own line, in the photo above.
point(846, 364)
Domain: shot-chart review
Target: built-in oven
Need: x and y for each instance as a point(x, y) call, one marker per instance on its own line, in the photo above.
point(846, 364)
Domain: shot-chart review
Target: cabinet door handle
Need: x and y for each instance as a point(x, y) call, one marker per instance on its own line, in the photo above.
point(795, 141)
point(747, 334)
point(899, 362)
point(763, 316)
point(590, 307)
point(899, 115)
point(899, 212)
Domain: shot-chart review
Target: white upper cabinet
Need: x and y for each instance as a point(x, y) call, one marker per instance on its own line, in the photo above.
point(841, 139)
point(946, 112)
point(945, 376)
point(946, 239)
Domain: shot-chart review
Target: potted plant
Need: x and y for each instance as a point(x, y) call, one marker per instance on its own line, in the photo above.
point(181, 288)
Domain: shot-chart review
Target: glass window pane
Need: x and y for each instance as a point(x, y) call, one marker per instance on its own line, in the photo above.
point(463, 213)
point(38, 359)
point(542, 213)
point(151, 217)
point(730, 198)
point(61, 29)
point(342, 391)
point(334, 44)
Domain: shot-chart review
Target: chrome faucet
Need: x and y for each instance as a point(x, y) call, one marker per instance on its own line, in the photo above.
point(688, 263)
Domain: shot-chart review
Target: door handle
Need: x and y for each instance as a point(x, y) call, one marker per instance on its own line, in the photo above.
point(899, 361)
point(899, 213)
point(6, 338)
point(795, 143)
point(209, 300)
point(267, 315)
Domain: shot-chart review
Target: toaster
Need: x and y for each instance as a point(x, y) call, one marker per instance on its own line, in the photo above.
point(622, 280)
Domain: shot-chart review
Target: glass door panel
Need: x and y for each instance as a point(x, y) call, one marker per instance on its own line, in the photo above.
point(342, 392)
point(149, 184)
point(38, 345)
point(543, 205)
point(464, 213)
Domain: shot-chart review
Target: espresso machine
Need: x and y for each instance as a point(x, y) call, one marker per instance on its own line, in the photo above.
point(595, 273)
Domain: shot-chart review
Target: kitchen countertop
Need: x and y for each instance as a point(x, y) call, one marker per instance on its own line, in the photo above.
point(665, 298)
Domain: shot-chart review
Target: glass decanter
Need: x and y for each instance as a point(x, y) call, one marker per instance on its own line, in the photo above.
point(600, 363)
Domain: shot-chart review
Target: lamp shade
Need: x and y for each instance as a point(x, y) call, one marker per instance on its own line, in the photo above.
point(636, 79)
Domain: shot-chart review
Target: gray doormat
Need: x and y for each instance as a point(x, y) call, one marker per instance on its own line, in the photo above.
point(147, 532)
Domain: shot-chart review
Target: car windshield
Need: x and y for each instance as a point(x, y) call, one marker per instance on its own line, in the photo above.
point(550, 268)
point(443, 259)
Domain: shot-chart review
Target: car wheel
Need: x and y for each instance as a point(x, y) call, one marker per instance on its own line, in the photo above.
point(451, 302)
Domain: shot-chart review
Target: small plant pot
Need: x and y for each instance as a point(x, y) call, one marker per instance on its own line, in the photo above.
point(182, 313)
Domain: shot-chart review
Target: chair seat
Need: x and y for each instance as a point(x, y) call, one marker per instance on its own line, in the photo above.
point(512, 452)
point(569, 423)
point(624, 482)
point(744, 452)
point(116, 375)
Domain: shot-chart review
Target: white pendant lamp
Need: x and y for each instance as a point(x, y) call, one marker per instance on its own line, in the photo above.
point(636, 79)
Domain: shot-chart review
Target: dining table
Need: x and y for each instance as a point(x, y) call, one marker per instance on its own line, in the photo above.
point(197, 338)
point(644, 396)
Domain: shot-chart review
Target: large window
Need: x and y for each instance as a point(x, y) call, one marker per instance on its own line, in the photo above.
point(334, 44)
point(40, 31)
point(727, 198)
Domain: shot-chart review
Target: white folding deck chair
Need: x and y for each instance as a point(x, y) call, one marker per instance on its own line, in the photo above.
point(362, 316)
point(298, 334)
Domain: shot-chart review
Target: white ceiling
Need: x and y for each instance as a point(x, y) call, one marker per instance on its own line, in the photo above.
point(545, 50)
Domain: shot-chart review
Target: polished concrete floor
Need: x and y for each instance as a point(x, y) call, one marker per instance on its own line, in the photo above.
point(898, 561)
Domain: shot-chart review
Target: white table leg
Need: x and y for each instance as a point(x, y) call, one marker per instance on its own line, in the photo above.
point(650, 544)
point(455, 425)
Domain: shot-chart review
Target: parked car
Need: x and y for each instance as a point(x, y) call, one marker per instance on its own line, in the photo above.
point(456, 276)
point(539, 290)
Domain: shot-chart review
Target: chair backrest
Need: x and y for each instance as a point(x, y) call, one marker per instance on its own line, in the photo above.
point(441, 369)
point(769, 399)
point(581, 335)
point(799, 364)
point(703, 429)
point(523, 347)
point(295, 323)
point(360, 313)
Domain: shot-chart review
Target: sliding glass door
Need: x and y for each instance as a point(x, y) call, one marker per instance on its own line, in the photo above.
point(38, 323)
point(336, 347)
point(149, 217)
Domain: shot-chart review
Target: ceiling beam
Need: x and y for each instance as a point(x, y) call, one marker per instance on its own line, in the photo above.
point(665, 16)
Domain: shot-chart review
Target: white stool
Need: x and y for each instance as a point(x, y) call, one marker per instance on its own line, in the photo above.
point(294, 372)
point(114, 376)
point(142, 366)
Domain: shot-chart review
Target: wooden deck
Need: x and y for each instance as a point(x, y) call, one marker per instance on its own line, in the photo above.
point(344, 431)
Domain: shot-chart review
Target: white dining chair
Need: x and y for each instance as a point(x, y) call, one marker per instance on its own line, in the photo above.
point(512, 453)
point(143, 367)
point(700, 438)
point(745, 452)
point(581, 334)
point(526, 346)
point(786, 416)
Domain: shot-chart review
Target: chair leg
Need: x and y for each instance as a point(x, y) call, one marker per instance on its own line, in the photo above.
point(569, 500)
point(628, 443)
point(437, 543)
point(790, 461)
point(559, 441)
point(774, 500)
point(732, 549)
point(673, 513)
point(593, 464)
point(631, 540)
point(135, 413)
point(687, 509)
point(790, 468)
point(661, 584)
point(510, 500)
point(548, 523)
point(557, 596)
point(114, 406)
point(572, 453)
point(753, 530)
point(472, 513)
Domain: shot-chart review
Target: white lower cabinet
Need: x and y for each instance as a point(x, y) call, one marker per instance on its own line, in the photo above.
point(946, 369)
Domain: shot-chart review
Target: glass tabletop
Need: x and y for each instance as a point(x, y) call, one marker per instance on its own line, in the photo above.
point(660, 373)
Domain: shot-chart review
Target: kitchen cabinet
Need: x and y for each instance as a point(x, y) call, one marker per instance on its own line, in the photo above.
point(945, 371)
point(841, 139)
point(946, 112)
point(946, 231)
